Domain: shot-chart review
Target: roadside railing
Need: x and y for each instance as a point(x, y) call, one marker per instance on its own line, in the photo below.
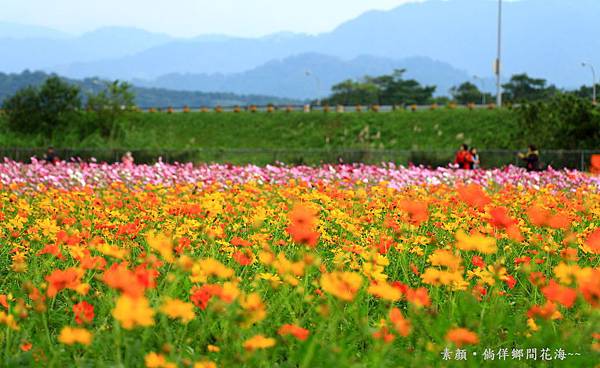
point(314, 108)
point(571, 159)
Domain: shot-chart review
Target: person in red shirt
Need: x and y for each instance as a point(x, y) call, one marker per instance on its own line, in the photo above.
point(464, 158)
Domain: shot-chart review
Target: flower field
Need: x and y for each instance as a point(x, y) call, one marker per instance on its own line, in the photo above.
point(332, 266)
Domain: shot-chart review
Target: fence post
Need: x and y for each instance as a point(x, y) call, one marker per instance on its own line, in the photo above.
point(582, 160)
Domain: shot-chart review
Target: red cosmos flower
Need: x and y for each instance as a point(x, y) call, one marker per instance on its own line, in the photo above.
point(239, 242)
point(595, 164)
point(182, 244)
point(4, 301)
point(473, 195)
point(560, 294)
point(479, 292)
point(524, 260)
point(418, 297)
point(52, 249)
point(61, 279)
point(544, 312)
point(84, 312)
point(242, 258)
point(146, 276)
point(26, 346)
point(477, 261)
point(400, 286)
point(297, 331)
point(200, 296)
point(383, 334)
point(537, 278)
point(417, 210)
point(510, 281)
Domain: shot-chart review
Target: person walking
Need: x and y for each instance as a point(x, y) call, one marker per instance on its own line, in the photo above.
point(475, 164)
point(531, 158)
point(127, 159)
point(51, 157)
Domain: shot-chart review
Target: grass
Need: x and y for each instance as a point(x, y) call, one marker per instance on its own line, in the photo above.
point(423, 130)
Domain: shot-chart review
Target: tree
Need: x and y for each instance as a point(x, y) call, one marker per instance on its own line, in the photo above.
point(522, 88)
point(382, 90)
point(467, 93)
point(565, 121)
point(111, 104)
point(44, 109)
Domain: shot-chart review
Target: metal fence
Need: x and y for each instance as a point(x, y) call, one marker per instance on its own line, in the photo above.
point(579, 159)
point(314, 108)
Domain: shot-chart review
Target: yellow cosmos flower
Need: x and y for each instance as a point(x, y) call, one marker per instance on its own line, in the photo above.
point(478, 243)
point(175, 308)
point(343, 285)
point(259, 342)
point(132, 312)
point(73, 335)
point(385, 291)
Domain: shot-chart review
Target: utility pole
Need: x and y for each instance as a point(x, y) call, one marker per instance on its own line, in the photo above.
point(584, 64)
point(308, 73)
point(499, 59)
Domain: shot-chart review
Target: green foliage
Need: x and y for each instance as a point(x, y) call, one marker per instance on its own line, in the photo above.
point(144, 97)
point(43, 110)
point(522, 88)
point(469, 93)
point(565, 122)
point(109, 106)
point(383, 90)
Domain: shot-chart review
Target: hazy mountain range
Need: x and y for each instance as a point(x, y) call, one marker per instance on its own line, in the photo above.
point(439, 42)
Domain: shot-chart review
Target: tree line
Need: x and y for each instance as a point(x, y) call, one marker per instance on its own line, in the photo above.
point(393, 89)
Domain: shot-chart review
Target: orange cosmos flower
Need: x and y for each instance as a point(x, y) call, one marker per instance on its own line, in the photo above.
point(538, 216)
point(25, 346)
point(473, 195)
point(73, 335)
point(462, 336)
point(298, 332)
point(63, 279)
point(120, 278)
point(302, 228)
point(400, 324)
point(259, 342)
point(560, 294)
point(593, 241)
point(154, 360)
point(547, 311)
point(590, 289)
point(500, 217)
point(417, 210)
point(343, 285)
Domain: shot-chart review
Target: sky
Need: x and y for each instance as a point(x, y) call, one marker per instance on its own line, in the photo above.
point(186, 18)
